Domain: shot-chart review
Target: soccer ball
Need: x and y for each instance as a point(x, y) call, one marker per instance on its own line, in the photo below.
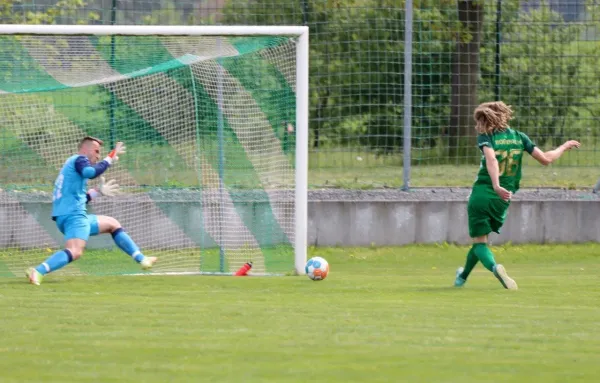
point(317, 268)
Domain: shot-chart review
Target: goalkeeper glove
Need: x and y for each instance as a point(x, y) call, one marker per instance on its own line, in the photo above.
point(113, 156)
point(109, 189)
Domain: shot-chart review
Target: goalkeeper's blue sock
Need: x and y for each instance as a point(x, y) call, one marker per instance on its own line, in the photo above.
point(125, 243)
point(55, 262)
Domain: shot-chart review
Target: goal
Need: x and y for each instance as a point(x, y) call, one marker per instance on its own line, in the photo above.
point(215, 120)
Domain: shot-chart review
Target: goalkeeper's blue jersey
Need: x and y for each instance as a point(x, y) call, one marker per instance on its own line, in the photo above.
point(70, 187)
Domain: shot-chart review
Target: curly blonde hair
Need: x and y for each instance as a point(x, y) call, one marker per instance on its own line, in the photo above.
point(492, 117)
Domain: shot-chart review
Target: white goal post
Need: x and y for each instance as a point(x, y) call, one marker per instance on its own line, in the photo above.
point(300, 34)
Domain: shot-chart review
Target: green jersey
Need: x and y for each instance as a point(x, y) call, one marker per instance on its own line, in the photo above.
point(509, 146)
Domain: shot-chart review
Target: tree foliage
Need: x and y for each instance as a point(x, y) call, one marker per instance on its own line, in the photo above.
point(63, 11)
point(357, 67)
point(547, 73)
point(547, 65)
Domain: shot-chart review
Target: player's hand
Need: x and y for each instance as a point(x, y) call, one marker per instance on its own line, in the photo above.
point(571, 144)
point(109, 189)
point(118, 150)
point(503, 193)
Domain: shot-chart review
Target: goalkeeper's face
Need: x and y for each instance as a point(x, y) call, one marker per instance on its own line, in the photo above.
point(92, 151)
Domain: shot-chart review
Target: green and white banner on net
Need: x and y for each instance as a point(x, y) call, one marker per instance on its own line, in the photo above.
point(215, 120)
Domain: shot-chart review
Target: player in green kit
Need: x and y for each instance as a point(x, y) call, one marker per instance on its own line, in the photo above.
point(498, 178)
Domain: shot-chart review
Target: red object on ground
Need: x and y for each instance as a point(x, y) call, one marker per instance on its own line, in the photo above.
point(243, 271)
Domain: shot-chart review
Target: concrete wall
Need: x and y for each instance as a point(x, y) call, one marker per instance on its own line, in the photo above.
point(404, 222)
point(338, 223)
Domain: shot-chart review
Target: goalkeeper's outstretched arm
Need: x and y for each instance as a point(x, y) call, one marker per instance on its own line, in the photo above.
point(84, 166)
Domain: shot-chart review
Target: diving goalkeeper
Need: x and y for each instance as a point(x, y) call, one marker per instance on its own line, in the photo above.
point(69, 201)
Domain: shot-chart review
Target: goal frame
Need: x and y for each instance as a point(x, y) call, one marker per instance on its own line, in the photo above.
point(302, 65)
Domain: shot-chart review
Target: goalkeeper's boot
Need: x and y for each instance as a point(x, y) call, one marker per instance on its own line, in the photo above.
point(34, 276)
point(459, 281)
point(507, 282)
point(148, 262)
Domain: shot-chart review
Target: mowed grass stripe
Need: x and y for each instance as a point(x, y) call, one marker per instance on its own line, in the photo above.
point(383, 314)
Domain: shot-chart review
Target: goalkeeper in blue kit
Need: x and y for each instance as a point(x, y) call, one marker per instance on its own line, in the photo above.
point(69, 200)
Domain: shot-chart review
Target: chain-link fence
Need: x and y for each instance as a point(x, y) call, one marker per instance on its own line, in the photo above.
point(538, 56)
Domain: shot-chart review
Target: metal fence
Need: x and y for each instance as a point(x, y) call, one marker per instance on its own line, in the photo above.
point(538, 56)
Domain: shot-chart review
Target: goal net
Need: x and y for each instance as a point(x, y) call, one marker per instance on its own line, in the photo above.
point(215, 124)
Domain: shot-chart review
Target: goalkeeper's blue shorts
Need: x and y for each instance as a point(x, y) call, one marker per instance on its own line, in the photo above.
point(79, 226)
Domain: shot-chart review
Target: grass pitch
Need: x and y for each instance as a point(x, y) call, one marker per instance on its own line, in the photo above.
point(382, 315)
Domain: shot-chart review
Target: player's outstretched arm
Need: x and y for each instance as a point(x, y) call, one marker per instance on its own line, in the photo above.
point(84, 167)
point(546, 158)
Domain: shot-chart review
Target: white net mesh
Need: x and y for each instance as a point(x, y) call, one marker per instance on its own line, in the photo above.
point(208, 177)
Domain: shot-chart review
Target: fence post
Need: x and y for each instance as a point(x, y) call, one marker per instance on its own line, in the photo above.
point(113, 97)
point(408, 30)
point(498, 40)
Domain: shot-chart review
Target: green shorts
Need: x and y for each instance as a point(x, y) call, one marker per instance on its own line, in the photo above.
point(486, 214)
